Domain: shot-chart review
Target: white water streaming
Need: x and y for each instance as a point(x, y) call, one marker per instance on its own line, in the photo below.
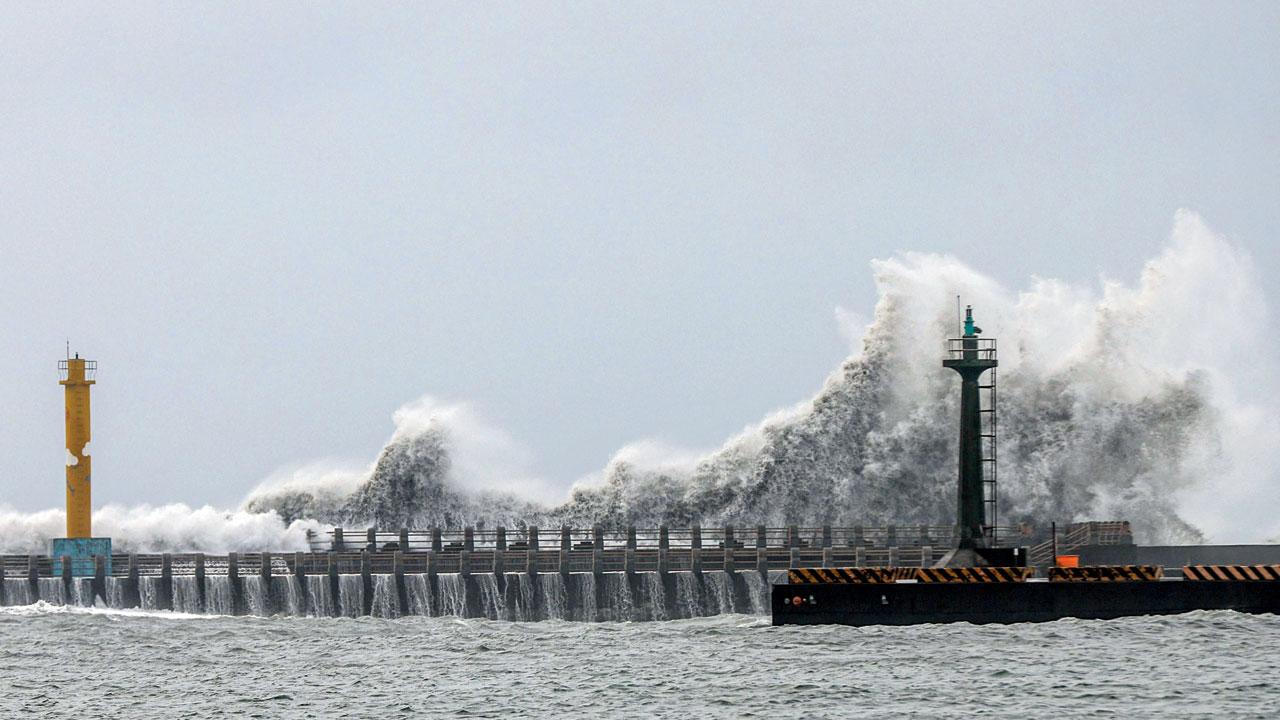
point(452, 595)
point(688, 595)
point(319, 598)
point(149, 592)
point(287, 595)
point(491, 600)
point(515, 597)
point(757, 592)
point(52, 591)
point(186, 594)
point(386, 601)
point(351, 595)
point(617, 602)
point(656, 594)
point(418, 590)
point(555, 599)
point(115, 592)
point(17, 591)
point(217, 595)
point(719, 592)
point(584, 585)
point(256, 600)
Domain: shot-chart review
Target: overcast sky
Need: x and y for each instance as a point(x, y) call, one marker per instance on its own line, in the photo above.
point(273, 224)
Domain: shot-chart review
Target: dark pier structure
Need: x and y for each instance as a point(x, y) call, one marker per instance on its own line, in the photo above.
point(982, 582)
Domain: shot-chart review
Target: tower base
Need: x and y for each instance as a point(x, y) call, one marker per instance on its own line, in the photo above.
point(80, 552)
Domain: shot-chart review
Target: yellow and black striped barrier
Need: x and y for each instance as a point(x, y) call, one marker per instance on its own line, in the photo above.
point(1229, 573)
point(1106, 573)
point(846, 576)
point(973, 574)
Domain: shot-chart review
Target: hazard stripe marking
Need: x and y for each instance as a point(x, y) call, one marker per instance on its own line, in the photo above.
point(1232, 573)
point(973, 575)
point(855, 575)
point(1106, 573)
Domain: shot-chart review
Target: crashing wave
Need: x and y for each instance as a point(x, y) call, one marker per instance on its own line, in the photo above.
point(1143, 402)
point(1106, 410)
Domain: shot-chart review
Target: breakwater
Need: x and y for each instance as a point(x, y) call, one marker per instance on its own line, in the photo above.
point(589, 575)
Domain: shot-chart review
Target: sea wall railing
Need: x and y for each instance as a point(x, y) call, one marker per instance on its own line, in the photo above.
point(600, 538)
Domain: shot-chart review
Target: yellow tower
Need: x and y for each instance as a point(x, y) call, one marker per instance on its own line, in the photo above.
point(77, 376)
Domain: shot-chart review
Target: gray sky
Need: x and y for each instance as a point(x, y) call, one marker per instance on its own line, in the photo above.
point(274, 224)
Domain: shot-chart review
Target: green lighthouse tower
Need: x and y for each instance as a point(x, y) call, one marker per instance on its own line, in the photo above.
point(971, 356)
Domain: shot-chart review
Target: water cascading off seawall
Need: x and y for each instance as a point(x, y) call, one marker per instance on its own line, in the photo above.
point(516, 597)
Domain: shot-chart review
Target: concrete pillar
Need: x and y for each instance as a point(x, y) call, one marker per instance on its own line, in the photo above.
point(664, 538)
point(366, 581)
point(237, 588)
point(165, 600)
point(464, 563)
point(132, 596)
point(926, 556)
point(33, 575)
point(762, 537)
point(631, 537)
point(597, 537)
point(566, 538)
point(729, 565)
point(662, 561)
point(695, 537)
point(264, 572)
point(924, 536)
point(99, 588)
point(563, 562)
point(300, 580)
point(532, 537)
point(893, 556)
point(629, 561)
point(891, 536)
point(335, 602)
point(337, 540)
point(860, 556)
point(729, 541)
point(827, 559)
point(531, 560)
point(597, 561)
point(499, 564)
point(859, 536)
point(695, 560)
point(67, 578)
point(468, 539)
point(201, 601)
point(404, 540)
point(371, 539)
point(437, 541)
point(795, 558)
point(762, 561)
point(793, 537)
point(502, 538)
point(826, 536)
point(402, 592)
point(433, 567)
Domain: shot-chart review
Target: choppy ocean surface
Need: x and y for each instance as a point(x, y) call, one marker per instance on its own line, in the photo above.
point(82, 662)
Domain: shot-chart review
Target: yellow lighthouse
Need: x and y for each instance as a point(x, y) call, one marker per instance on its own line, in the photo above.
point(79, 546)
point(77, 377)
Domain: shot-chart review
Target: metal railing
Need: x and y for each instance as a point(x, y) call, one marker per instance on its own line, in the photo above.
point(566, 538)
point(971, 348)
